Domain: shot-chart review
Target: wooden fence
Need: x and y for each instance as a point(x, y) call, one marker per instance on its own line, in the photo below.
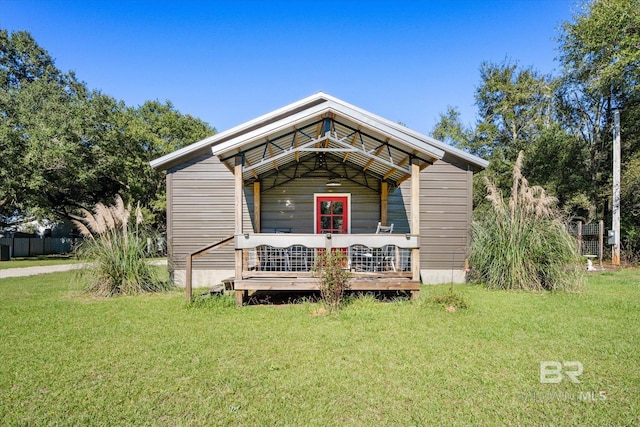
point(35, 246)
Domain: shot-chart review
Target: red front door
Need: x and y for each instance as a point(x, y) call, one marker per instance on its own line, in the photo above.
point(332, 214)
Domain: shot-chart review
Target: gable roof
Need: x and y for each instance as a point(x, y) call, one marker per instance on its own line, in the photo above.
point(322, 124)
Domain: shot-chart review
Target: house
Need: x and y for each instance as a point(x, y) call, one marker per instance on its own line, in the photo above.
point(258, 202)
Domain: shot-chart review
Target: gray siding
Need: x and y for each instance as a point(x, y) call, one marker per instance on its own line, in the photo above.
point(200, 211)
point(445, 214)
point(290, 206)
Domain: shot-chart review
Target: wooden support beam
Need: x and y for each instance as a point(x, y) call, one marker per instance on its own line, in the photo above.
point(295, 145)
point(257, 217)
point(317, 135)
point(415, 221)
point(275, 164)
point(370, 162)
point(239, 184)
point(353, 142)
point(240, 297)
point(228, 167)
point(393, 170)
point(384, 201)
point(253, 172)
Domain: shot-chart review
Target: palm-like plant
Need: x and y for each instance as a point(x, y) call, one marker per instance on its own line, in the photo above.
point(522, 243)
point(115, 255)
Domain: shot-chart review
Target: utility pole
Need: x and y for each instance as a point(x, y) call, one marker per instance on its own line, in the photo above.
point(615, 249)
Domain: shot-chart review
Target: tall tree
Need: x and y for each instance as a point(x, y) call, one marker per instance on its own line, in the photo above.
point(64, 146)
point(515, 105)
point(516, 113)
point(148, 132)
point(600, 48)
point(600, 52)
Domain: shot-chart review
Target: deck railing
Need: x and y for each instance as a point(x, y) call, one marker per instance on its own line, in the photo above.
point(293, 255)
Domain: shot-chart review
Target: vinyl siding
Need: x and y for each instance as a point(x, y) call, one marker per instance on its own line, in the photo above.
point(290, 206)
point(445, 214)
point(200, 211)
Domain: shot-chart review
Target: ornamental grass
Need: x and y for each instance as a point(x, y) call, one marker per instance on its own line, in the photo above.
point(115, 252)
point(522, 243)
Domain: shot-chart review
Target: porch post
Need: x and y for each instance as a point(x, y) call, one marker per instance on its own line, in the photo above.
point(415, 222)
point(238, 185)
point(256, 207)
point(384, 197)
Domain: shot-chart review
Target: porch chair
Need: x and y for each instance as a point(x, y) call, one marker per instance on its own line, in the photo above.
point(389, 257)
point(360, 258)
point(273, 259)
point(299, 258)
point(384, 229)
point(388, 251)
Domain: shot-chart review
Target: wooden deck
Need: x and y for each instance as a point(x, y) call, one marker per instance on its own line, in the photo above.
point(312, 284)
point(243, 286)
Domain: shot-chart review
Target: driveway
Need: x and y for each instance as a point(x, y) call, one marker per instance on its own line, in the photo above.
point(32, 271)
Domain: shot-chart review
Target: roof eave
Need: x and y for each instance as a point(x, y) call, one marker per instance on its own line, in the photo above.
point(166, 160)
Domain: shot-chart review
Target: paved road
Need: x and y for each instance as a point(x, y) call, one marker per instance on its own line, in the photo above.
point(32, 271)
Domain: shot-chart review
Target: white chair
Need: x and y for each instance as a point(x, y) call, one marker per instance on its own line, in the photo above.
point(384, 229)
point(388, 251)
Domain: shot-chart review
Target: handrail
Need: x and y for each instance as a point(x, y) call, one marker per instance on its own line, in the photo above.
point(326, 241)
point(198, 253)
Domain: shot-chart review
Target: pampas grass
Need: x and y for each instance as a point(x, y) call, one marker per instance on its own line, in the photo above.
point(115, 255)
point(523, 244)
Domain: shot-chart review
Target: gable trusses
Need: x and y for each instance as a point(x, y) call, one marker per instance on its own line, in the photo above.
point(313, 109)
point(358, 148)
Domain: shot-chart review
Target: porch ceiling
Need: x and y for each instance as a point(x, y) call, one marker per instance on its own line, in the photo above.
point(357, 150)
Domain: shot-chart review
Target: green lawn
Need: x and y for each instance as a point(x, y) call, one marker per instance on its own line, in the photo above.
point(69, 359)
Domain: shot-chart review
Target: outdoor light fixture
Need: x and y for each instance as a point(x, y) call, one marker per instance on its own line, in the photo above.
point(333, 183)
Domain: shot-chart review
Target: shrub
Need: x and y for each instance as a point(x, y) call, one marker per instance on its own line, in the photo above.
point(450, 299)
point(334, 279)
point(115, 254)
point(523, 244)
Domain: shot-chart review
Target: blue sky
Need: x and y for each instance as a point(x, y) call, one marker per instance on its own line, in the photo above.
point(227, 62)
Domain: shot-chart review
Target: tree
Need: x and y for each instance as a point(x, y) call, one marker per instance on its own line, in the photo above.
point(515, 105)
point(600, 52)
point(43, 129)
point(451, 130)
point(65, 147)
point(148, 132)
point(516, 113)
point(601, 48)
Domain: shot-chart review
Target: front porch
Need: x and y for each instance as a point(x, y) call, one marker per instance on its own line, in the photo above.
point(285, 261)
point(324, 179)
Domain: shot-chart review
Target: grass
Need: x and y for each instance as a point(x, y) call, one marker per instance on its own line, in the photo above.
point(72, 359)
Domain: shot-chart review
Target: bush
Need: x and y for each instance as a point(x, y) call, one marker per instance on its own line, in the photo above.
point(334, 278)
point(115, 254)
point(524, 244)
point(451, 299)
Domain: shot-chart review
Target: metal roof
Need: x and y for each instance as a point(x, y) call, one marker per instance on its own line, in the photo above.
point(321, 126)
